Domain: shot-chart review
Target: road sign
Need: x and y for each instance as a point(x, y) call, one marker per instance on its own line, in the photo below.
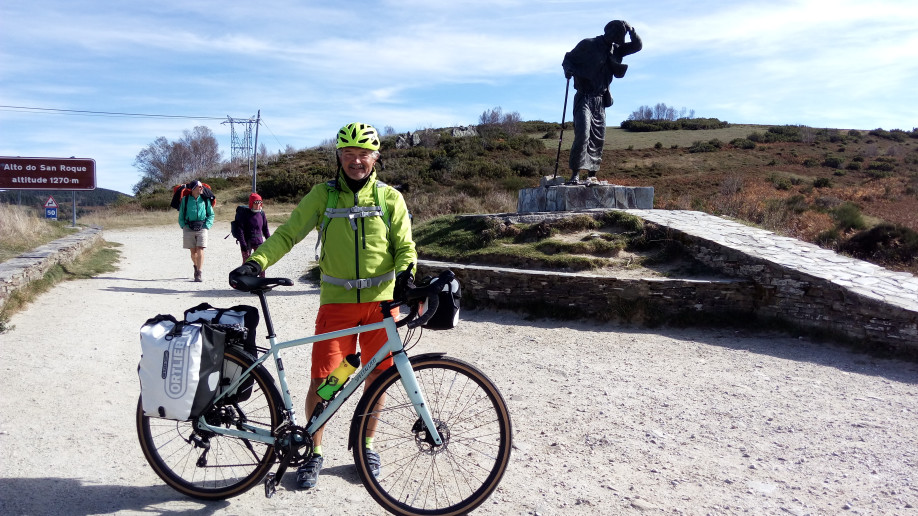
point(47, 173)
point(51, 208)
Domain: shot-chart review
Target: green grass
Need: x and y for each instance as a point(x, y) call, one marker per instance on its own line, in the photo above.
point(489, 240)
point(102, 258)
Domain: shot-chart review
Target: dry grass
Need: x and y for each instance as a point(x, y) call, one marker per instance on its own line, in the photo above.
point(130, 216)
point(22, 229)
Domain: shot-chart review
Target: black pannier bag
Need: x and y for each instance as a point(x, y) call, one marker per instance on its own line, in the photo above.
point(180, 367)
point(240, 323)
point(447, 315)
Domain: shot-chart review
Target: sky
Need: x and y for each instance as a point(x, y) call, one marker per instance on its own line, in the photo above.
point(104, 79)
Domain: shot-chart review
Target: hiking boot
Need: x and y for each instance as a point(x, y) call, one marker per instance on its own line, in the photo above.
point(373, 462)
point(198, 275)
point(308, 475)
point(575, 177)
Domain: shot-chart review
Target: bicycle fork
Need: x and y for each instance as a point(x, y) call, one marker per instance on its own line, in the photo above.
point(413, 389)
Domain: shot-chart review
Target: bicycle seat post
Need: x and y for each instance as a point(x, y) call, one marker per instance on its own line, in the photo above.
point(264, 309)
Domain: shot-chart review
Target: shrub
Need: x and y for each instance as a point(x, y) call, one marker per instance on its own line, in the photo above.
point(780, 182)
point(796, 203)
point(848, 216)
point(822, 182)
point(833, 162)
point(743, 143)
point(700, 146)
point(810, 163)
point(885, 242)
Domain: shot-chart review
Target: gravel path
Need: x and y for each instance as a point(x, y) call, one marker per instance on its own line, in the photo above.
point(607, 419)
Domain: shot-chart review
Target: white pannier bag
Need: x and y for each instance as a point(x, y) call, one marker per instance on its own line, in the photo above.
point(180, 367)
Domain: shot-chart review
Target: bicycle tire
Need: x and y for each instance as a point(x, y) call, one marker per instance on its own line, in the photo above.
point(416, 477)
point(233, 465)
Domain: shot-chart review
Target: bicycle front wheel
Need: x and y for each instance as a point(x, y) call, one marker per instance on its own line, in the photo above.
point(212, 466)
point(418, 477)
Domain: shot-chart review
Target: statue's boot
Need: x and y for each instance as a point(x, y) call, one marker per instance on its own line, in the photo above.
point(575, 177)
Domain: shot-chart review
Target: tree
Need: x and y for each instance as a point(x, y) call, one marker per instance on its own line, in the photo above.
point(153, 163)
point(496, 119)
point(165, 162)
point(660, 112)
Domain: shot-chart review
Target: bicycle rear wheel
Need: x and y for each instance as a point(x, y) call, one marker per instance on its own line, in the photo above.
point(418, 477)
point(212, 466)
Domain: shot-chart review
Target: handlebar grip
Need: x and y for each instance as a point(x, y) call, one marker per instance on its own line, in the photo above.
point(433, 301)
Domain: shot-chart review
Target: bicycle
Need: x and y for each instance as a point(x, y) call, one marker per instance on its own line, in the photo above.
point(442, 427)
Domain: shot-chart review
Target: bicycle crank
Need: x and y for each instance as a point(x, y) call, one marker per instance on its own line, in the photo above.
point(288, 445)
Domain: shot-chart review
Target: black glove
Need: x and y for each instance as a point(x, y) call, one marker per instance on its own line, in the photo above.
point(249, 268)
point(403, 282)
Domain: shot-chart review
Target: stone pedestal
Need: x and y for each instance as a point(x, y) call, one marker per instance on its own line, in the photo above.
point(555, 195)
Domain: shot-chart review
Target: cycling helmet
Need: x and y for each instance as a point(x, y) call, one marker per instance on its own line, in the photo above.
point(360, 135)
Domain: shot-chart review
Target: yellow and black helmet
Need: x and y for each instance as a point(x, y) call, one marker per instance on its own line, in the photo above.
point(360, 135)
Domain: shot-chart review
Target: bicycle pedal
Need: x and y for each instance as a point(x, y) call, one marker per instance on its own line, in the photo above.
point(270, 486)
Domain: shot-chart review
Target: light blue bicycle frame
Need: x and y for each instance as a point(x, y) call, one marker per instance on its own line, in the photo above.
point(393, 345)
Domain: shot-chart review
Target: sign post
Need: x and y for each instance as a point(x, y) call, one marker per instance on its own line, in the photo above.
point(50, 208)
point(17, 173)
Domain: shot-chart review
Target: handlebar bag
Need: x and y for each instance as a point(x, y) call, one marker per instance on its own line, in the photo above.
point(240, 323)
point(180, 367)
point(447, 314)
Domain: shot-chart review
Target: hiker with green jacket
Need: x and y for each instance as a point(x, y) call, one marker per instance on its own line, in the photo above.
point(365, 237)
point(196, 216)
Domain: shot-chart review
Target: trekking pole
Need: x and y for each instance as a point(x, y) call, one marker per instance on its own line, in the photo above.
point(567, 88)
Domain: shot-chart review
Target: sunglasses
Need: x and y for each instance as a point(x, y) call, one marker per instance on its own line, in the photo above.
point(257, 202)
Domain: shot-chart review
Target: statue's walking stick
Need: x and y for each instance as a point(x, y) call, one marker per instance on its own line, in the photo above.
point(563, 113)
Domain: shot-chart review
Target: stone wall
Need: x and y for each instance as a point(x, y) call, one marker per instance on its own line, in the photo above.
point(566, 198)
point(751, 289)
point(651, 302)
point(33, 265)
point(809, 301)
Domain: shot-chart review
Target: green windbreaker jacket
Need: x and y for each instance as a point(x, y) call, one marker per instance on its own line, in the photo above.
point(196, 209)
point(373, 249)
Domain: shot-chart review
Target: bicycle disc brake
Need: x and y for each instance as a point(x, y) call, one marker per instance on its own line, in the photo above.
point(424, 439)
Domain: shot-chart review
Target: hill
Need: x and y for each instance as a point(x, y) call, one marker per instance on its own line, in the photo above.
point(850, 190)
point(88, 199)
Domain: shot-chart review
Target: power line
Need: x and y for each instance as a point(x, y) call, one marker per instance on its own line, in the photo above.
point(103, 113)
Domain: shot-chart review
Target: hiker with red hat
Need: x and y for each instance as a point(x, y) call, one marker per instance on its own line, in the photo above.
point(252, 226)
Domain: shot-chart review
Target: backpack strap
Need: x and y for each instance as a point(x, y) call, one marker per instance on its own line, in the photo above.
point(353, 213)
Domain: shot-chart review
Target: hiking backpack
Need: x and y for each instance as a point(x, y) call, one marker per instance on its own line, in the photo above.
point(181, 191)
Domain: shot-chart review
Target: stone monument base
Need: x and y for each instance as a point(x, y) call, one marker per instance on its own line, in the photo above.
point(557, 195)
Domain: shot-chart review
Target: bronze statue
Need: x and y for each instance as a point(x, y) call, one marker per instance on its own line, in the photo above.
point(593, 63)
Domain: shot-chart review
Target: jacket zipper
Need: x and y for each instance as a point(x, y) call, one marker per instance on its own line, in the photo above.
point(357, 250)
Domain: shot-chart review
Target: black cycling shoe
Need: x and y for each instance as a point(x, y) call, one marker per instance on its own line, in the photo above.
point(373, 462)
point(308, 474)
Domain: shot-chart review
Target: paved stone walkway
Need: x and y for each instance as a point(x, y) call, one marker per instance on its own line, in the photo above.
point(896, 288)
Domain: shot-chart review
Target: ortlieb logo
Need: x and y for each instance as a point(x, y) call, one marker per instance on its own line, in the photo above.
point(175, 362)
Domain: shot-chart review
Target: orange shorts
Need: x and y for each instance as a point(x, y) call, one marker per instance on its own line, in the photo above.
point(327, 354)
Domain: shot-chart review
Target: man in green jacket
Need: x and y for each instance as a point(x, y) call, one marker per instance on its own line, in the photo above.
point(196, 216)
point(365, 235)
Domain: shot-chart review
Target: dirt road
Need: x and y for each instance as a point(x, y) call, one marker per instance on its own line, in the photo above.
point(607, 419)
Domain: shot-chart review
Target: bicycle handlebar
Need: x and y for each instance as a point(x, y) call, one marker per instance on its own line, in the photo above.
point(428, 293)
